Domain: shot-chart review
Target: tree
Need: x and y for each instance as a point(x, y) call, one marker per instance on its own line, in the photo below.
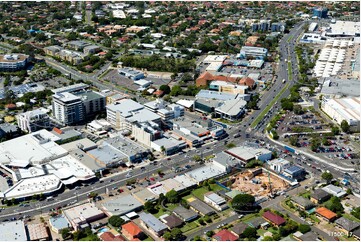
point(334, 204)
point(250, 233)
point(327, 177)
point(243, 202)
point(201, 221)
point(197, 238)
point(176, 234)
point(315, 143)
point(297, 109)
point(207, 219)
point(210, 233)
point(197, 158)
point(267, 238)
point(167, 236)
point(356, 212)
point(345, 126)
point(165, 89)
point(65, 233)
point(335, 130)
point(304, 228)
point(230, 145)
point(115, 221)
point(349, 191)
point(172, 196)
point(293, 140)
point(149, 207)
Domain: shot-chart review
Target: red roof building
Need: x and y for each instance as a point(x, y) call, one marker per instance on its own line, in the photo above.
point(225, 235)
point(274, 219)
point(132, 231)
point(108, 236)
point(326, 214)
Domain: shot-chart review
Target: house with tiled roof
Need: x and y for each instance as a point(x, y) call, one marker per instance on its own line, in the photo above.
point(247, 81)
point(131, 231)
point(108, 236)
point(274, 219)
point(225, 235)
point(326, 214)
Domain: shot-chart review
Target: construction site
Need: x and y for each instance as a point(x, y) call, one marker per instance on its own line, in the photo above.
point(260, 183)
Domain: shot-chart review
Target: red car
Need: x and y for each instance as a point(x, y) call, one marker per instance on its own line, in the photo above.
point(152, 179)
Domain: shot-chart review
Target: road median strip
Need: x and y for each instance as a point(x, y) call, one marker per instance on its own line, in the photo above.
point(263, 113)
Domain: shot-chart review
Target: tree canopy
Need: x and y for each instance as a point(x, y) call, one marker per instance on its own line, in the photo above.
point(243, 202)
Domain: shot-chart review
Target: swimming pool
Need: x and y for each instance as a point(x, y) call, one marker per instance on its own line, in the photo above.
point(102, 230)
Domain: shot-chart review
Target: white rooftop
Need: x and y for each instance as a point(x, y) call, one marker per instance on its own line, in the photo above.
point(38, 147)
point(82, 212)
point(36, 185)
point(13, 231)
point(125, 107)
point(205, 172)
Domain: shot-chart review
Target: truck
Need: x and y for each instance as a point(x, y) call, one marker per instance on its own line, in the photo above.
point(289, 149)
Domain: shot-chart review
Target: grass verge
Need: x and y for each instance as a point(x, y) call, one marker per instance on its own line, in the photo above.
point(263, 113)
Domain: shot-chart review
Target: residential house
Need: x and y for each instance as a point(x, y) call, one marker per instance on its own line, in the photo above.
point(302, 202)
point(225, 235)
point(132, 231)
point(109, 236)
point(239, 228)
point(319, 196)
point(274, 219)
point(152, 224)
point(215, 201)
point(346, 225)
point(326, 214)
point(185, 214)
point(172, 221)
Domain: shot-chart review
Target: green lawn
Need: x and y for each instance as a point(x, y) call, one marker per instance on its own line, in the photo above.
point(199, 193)
point(171, 206)
point(248, 217)
point(189, 226)
point(216, 187)
point(263, 113)
point(306, 194)
point(160, 213)
point(289, 70)
point(314, 218)
point(261, 232)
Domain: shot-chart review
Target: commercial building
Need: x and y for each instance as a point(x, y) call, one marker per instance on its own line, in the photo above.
point(107, 156)
point(80, 216)
point(40, 146)
point(312, 38)
point(34, 120)
point(123, 204)
point(168, 146)
point(145, 195)
point(93, 102)
point(227, 87)
point(215, 201)
point(37, 232)
point(186, 215)
point(226, 162)
point(79, 87)
point(205, 172)
point(245, 154)
point(13, 62)
point(312, 27)
point(279, 164)
point(58, 223)
point(250, 52)
point(152, 224)
point(278, 27)
point(344, 29)
point(340, 87)
point(326, 214)
point(347, 109)
point(131, 73)
point(13, 231)
point(334, 191)
point(232, 109)
point(295, 173)
point(320, 12)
